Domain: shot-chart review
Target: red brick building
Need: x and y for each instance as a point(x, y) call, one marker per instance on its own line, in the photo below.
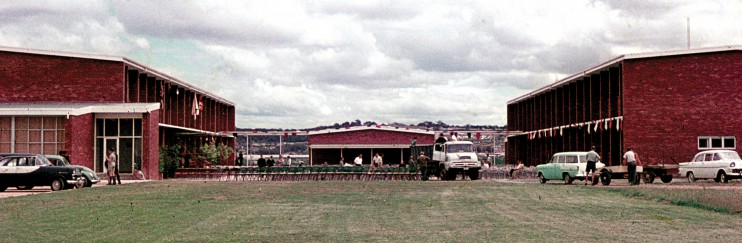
point(329, 145)
point(82, 103)
point(667, 106)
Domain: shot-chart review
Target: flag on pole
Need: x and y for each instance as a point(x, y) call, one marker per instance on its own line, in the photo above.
point(194, 108)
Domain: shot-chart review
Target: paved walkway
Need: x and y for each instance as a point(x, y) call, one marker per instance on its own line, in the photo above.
point(13, 192)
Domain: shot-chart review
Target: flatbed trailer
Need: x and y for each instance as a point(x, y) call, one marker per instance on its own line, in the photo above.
point(646, 173)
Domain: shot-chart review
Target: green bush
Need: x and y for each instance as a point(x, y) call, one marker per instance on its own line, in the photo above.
point(169, 157)
point(214, 153)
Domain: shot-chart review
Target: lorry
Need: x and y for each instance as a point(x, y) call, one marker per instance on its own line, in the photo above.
point(449, 159)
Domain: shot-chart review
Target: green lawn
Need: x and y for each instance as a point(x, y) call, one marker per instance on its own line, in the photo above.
point(461, 211)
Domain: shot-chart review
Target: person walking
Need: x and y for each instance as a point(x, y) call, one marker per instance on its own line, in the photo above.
point(422, 166)
point(592, 159)
point(631, 159)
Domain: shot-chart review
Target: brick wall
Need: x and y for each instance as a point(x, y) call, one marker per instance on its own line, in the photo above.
point(370, 137)
point(670, 101)
point(79, 140)
point(151, 145)
point(29, 77)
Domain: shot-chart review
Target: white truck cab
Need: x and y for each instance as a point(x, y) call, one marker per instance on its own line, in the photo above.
point(456, 157)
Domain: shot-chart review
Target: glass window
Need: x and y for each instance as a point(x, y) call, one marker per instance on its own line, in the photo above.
point(555, 159)
point(561, 159)
point(583, 158)
point(729, 142)
point(708, 157)
point(698, 158)
point(716, 142)
point(99, 127)
point(112, 127)
point(571, 159)
point(8, 162)
point(703, 142)
point(717, 157)
point(127, 128)
point(137, 127)
point(22, 161)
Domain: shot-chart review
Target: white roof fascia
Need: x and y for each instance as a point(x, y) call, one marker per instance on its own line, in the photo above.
point(362, 146)
point(619, 59)
point(194, 130)
point(363, 128)
point(18, 109)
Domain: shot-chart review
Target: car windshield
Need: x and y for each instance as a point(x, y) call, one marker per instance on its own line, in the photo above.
point(730, 155)
point(457, 148)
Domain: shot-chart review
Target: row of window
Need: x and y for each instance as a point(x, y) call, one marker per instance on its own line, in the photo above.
point(709, 142)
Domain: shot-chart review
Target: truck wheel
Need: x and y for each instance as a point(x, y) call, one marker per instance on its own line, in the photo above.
point(567, 179)
point(605, 178)
point(666, 178)
point(691, 177)
point(541, 178)
point(722, 177)
point(474, 175)
point(57, 184)
point(444, 173)
point(648, 177)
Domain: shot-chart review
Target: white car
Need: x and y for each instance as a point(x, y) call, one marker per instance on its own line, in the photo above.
point(721, 165)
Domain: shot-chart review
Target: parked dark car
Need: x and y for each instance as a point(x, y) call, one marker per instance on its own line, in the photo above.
point(25, 171)
point(90, 176)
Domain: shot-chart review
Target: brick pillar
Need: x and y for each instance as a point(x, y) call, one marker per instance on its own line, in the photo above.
point(79, 140)
point(151, 145)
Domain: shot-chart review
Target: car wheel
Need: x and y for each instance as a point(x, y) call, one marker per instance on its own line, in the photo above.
point(567, 179)
point(57, 184)
point(3, 188)
point(88, 183)
point(80, 183)
point(24, 187)
point(666, 178)
point(541, 178)
point(648, 177)
point(723, 177)
point(691, 177)
point(605, 178)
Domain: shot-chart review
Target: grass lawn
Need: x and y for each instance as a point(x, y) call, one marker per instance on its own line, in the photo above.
point(461, 211)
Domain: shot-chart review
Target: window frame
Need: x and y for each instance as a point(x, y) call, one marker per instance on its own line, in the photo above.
point(709, 141)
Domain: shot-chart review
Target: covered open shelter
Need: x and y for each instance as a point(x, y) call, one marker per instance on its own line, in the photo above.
point(394, 143)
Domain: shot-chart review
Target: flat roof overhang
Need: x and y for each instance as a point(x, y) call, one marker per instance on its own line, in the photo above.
point(195, 132)
point(74, 109)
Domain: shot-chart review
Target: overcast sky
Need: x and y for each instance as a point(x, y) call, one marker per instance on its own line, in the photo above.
point(299, 64)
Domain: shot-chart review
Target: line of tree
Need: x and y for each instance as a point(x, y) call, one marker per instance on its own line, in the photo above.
point(435, 126)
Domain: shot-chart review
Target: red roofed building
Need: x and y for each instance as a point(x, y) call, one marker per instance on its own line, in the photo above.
point(329, 145)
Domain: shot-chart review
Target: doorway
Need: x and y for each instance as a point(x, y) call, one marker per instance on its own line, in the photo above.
point(109, 143)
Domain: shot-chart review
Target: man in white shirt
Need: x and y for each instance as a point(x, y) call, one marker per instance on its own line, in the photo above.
point(377, 161)
point(359, 160)
point(631, 159)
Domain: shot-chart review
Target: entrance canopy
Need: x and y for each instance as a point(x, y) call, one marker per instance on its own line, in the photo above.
point(73, 109)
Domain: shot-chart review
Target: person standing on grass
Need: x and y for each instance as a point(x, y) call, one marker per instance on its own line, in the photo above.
point(631, 159)
point(359, 160)
point(592, 159)
point(422, 166)
point(112, 161)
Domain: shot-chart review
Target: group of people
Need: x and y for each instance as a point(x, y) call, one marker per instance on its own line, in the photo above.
point(630, 160)
point(270, 162)
point(112, 162)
